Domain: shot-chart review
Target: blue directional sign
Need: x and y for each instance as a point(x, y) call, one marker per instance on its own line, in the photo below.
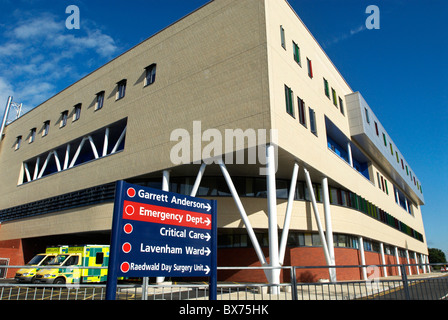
point(161, 234)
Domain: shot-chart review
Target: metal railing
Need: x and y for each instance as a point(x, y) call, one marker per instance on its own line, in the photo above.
point(425, 286)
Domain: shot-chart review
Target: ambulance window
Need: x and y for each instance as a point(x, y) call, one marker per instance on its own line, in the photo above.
point(99, 258)
point(73, 260)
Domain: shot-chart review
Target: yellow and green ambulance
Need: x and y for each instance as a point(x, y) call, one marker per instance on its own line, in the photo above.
point(69, 266)
point(41, 259)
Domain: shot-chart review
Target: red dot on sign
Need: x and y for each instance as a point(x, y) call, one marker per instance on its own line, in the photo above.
point(124, 267)
point(128, 228)
point(126, 247)
point(131, 192)
point(129, 210)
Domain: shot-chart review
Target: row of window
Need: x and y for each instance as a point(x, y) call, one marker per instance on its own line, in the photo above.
point(334, 96)
point(297, 58)
point(289, 98)
point(393, 152)
point(150, 77)
point(256, 187)
point(236, 238)
point(296, 53)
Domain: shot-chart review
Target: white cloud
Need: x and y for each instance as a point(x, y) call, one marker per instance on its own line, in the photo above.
point(344, 36)
point(39, 57)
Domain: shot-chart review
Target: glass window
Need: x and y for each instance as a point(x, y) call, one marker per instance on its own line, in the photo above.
point(302, 111)
point(18, 142)
point(32, 135)
point(289, 101)
point(335, 100)
point(326, 88)
point(64, 116)
point(150, 77)
point(282, 36)
point(310, 68)
point(46, 128)
point(367, 115)
point(121, 89)
point(341, 106)
point(99, 100)
point(313, 126)
point(77, 112)
point(296, 50)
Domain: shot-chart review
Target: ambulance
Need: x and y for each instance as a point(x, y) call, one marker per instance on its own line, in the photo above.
point(41, 259)
point(69, 266)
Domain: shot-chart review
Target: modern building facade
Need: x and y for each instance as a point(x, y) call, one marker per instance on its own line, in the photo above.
point(330, 187)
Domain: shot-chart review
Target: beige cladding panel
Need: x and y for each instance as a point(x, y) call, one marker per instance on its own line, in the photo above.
point(211, 67)
point(92, 218)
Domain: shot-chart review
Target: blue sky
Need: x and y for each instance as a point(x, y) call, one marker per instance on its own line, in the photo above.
point(400, 69)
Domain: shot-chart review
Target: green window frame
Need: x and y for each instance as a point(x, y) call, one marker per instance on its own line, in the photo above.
point(327, 88)
point(289, 100)
point(296, 51)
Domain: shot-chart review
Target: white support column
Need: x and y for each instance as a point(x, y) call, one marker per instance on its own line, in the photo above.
point(36, 168)
point(328, 227)
point(119, 140)
point(383, 259)
point(316, 215)
point(422, 259)
point(398, 260)
point(363, 258)
point(92, 144)
point(409, 261)
point(44, 166)
point(243, 214)
point(56, 159)
point(272, 217)
point(198, 180)
point(75, 157)
point(427, 262)
point(27, 172)
point(286, 223)
point(67, 155)
point(106, 141)
point(349, 152)
point(416, 262)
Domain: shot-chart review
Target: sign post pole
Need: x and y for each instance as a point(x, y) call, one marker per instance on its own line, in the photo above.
point(111, 287)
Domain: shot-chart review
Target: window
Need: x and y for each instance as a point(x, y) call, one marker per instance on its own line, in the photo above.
point(99, 100)
point(77, 112)
point(302, 111)
point(64, 115)
point(341, 106)
point(310, 68)
point(18, 142)
point(289, 100)
point(99, 258)
point(376, 128)
point(313, 126)
point(121, 89)
point(282, 36)
point(46, 128)
point(335, 100)
point(32, 135)
point(296, 50)
point(367, 115)
point(326, 88)
point(150, 77)
point(385, 141)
